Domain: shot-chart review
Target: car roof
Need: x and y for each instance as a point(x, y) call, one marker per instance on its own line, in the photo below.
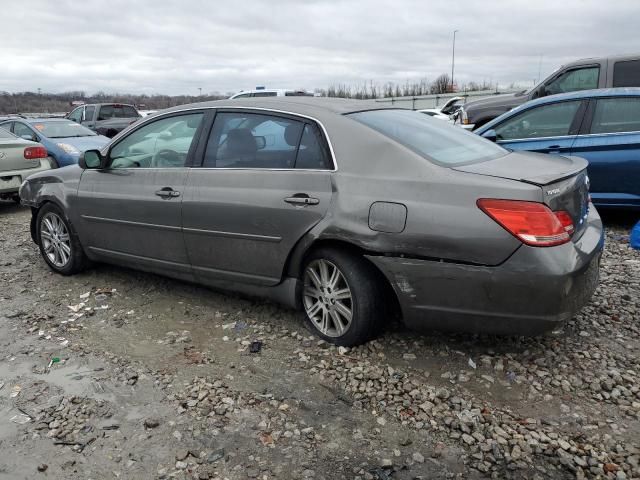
point(309, 106)
point(615, 58)
point(45, 119)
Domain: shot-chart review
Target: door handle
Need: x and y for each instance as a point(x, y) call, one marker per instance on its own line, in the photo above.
point(167, 192)
point(554, 147)
point(302, 199)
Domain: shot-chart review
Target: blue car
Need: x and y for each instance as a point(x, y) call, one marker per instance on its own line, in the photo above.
point(602, 126)
point(64, 139)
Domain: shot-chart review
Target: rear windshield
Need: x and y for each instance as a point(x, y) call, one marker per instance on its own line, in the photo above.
point(437, 141)
point(62, 129)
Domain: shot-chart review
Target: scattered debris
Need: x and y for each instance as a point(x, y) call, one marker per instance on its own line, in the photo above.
point(472, 364)
point(15, 391)
point(255, 347)
point(21, 419)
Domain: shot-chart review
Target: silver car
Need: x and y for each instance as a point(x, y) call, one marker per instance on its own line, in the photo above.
point(19, 158)
point(342, 209)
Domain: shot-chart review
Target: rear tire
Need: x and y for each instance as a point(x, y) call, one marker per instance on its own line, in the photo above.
point(59, 246)
point(342, 297)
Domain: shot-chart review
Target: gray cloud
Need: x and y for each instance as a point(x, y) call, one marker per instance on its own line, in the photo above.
point(175, 47)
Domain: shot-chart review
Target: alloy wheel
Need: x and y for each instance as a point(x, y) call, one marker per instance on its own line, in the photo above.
point(55, 239)
point(327, 298)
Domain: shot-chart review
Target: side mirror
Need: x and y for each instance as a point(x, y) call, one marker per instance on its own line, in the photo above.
point(490, 135)
point(91, 159)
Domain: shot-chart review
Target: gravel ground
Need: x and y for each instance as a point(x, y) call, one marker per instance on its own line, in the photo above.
point(119, 374)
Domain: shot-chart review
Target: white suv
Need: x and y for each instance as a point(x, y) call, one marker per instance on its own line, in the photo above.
point(271, 92)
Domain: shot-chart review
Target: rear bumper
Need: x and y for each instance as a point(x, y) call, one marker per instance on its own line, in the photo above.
point(10, 181)
point(530, 293)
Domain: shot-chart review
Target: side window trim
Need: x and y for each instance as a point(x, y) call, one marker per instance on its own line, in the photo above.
point(208, 127)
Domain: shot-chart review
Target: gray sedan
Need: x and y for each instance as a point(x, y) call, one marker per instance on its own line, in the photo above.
point(339, 208)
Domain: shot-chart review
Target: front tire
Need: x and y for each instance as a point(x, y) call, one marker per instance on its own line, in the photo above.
point(342, 297)
point(59, 246)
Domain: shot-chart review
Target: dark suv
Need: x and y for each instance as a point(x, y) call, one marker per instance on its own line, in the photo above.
point(585, 74)
point(107, 119)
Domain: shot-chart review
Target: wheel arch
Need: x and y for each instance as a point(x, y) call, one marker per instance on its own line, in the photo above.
point(309, 244)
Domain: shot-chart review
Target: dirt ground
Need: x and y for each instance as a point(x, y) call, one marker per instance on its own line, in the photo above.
point(119, 374)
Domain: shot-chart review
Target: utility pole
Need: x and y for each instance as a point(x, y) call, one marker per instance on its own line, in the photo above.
point(200, 88)
point(453, 57)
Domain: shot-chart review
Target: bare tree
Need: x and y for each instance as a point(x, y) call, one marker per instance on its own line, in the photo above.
point(442, 84)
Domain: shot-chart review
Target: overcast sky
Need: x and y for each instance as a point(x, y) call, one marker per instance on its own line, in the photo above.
point(174, 47)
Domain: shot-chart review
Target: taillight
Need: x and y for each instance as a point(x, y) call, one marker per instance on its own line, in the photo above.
point(31, 153)
point(532, 223)
point(566, 221)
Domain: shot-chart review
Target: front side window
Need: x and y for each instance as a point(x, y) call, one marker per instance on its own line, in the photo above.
point(574, 80)
point(433, 139)
point(614, 115)
point(164, 143)
point(626, 74)
point(76, 115)
point(249, 140)
point(545, 121)
point(265, 94)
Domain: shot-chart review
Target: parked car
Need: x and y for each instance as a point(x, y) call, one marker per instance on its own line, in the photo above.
point(602, 126)
point(585, 74)
point(19, 158)
point(63, 139)
point(107, 119)
point(340, 208)
point(271, 92)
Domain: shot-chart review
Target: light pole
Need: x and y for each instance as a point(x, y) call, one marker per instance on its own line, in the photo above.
point(200, 88)
point(453, 57)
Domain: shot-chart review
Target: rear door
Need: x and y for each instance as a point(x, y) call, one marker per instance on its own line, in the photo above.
point(265, 181)
point(610, 142)
point(548, 128)
point(130, 212)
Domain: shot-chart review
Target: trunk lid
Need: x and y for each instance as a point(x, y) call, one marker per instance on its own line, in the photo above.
point(12, 155)
point(563, 180)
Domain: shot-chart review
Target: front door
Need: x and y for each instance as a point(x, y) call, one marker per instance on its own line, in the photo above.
point(265, 181)
point(130, 212)
point(549, 128)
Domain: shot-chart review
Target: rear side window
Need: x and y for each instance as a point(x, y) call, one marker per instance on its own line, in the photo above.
point(5, 133)
point(106, 112)
point(553, 120)
point(434, 139)
point(249, 140)
point(626, 74)
point(265, 94)
point(614, 115)
point(130, 111)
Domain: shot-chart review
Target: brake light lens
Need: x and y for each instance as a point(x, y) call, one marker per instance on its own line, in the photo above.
point(31, 153)
point(532, 223)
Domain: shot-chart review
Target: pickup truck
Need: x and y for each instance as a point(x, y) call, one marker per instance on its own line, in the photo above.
point(585, 74)
point(107, 119)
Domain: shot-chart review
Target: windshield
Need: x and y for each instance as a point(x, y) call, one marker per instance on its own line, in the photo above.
point(435, 140)
point(4, 134)
point(62, 129)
